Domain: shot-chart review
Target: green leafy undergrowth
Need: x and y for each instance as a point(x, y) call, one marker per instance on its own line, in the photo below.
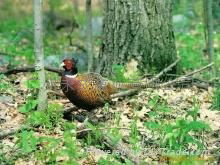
point(159, 108)
point(216, 99)
point(46, 118)
point(5, 86)
point(191, 47)
point(134, 137)
point(118, 74)
point(94, 136)
point(30, 104)
point(27, 141)
point(181, 133)
point(110, 159)
point(186, 159)
point(49, 149)
point(178, 135)
point(16, 38)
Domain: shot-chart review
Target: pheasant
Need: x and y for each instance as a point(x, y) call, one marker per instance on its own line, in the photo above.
point(89, 90)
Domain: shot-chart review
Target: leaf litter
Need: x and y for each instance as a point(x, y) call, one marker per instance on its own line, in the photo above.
point(177, 101)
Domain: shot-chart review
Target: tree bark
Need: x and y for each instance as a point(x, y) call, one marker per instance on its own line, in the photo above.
point(89, 41)
point(39, 53)
point(76, 6)
point(137, 29)
point(207, 5)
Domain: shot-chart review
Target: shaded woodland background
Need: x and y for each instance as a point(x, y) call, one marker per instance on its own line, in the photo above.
point(183, 119)
point(65, 31)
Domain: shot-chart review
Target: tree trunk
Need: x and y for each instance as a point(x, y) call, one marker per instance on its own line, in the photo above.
point(207, 5)
point(138, 30)
point(76, 6)
point(89, 42)
point(38, 41)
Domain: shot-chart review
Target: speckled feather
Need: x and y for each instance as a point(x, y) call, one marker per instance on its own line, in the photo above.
point(88, 90)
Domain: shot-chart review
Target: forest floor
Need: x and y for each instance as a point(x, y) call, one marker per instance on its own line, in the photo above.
point(162, 118)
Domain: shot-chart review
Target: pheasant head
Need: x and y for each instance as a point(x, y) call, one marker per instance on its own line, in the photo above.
point(69, 66)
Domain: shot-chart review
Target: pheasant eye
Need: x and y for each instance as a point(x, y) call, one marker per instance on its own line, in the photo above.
point(64, 62)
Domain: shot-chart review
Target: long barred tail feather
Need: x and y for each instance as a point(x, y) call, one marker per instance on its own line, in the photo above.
point(132, 85)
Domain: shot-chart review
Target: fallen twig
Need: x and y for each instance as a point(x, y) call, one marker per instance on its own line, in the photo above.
point(125, 93)
point(182, 78)
point(29, 69)
point(164, 71)
point(12, 131)
point(199, 70)
point(202, 84)
point(55, 93)
point(119, 147)
point(122, 148)
point(104, 128)
point(70, 109)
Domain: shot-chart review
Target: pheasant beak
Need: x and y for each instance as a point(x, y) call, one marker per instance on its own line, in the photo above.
point(62, 65)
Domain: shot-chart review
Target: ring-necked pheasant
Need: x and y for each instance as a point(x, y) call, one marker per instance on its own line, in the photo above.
point(90, 90)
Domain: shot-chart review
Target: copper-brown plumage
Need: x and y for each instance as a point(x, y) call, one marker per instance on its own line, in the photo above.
point(90, 90)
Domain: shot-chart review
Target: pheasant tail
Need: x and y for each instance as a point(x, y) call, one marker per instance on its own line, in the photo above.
point(131, 85)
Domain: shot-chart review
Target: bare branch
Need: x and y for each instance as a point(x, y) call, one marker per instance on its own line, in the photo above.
point(12, 131)
point(182, 78)
point(55, 93)
point(29, 69)
point(125, 93)
point(164, 71)
point(122, 148)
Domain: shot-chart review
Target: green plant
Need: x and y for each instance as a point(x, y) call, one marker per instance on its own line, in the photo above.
point(31, 101)
point(216, 99)
point(181, 133)
point(93, 136)
point(10, 153)
point(193, 112)
point(189, 46)
point(27, 142)
point(32, 83)
point(134, 138)
point(71, 149)
point(178, 135)
point(15, 40)
point(4, 158)
point(115, 135)
point(48, 118)
point(186, 159)
point(118, 73)
point(154, 126)
point(4, 85)
point(49, 149)
point(108, 160)
point(28, 106)
point(106, 108)
point(159, 107)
